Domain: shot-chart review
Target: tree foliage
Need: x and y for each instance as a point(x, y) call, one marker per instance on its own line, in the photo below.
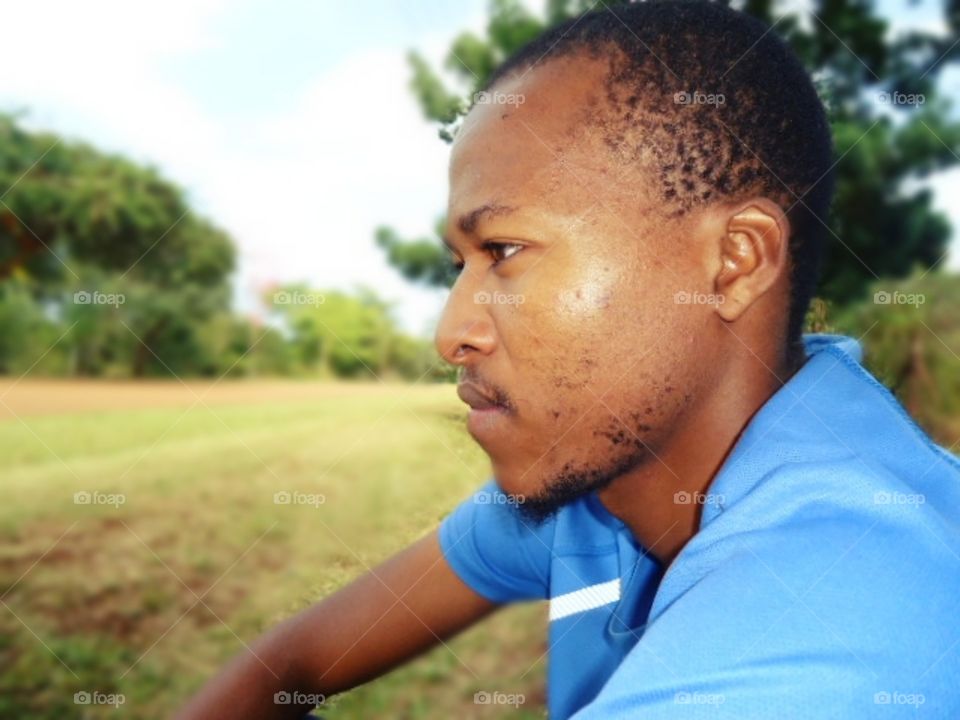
point(105, 270)
point(64, 203)
point(351, 335)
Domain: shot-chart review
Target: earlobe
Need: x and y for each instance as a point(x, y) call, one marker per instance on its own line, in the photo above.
point(753, 256)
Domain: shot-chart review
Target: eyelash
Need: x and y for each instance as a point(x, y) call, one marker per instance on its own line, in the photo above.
point(488, 247)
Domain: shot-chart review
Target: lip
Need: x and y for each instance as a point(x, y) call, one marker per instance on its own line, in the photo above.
point(486, 416)
point(475, 397)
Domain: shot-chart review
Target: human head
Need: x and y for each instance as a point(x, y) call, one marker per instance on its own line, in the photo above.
point(638, 159)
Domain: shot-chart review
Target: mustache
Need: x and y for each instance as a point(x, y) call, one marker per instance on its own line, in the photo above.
point(497, 394)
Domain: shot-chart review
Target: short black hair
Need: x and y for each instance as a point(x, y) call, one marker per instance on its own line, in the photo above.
point(721, 106)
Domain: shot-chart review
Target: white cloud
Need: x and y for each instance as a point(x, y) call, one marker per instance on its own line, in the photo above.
point(314, 180)
point(95, 66)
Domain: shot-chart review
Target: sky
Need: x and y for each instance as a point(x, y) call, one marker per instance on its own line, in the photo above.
point(288, 122)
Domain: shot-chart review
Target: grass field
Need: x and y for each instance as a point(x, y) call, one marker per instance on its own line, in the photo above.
point(181, 552)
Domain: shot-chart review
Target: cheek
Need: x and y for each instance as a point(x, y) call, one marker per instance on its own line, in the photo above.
point(581, 329)
point(587, 301)
point(578, 307)
point(565, 341)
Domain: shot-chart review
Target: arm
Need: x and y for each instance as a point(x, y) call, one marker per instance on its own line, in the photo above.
point(380, 620)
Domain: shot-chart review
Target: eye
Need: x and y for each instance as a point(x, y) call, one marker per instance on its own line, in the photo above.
point(501, 251)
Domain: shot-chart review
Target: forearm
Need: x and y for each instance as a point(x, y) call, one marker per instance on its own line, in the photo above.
point(260, 682)
point(377, 622)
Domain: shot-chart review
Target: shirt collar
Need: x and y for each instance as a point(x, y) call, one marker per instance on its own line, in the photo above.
point(786, 423)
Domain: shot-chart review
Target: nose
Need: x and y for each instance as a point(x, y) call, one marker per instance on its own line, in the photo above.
point(465, 331)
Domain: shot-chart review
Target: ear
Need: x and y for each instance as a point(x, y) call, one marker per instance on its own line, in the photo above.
point(754, 254)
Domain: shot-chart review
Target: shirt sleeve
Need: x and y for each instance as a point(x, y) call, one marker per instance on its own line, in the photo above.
point(494, 550)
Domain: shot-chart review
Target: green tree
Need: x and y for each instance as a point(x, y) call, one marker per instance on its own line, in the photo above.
point(79, 223)
point(350, 335)
point(64, 202)
point(242, 347)
point(28, 337)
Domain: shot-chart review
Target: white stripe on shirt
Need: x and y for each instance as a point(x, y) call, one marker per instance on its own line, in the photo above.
point(585, 599)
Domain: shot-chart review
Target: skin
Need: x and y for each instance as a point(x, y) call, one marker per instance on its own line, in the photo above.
point(614, 386)
point(609, 383)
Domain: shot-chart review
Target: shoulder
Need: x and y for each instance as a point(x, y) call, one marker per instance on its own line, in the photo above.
point(811, 520)
point(812, 596)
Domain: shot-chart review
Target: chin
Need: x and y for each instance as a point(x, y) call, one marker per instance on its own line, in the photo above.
point(513, 482)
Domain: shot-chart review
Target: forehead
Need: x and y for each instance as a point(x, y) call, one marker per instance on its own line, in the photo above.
point(537, 143)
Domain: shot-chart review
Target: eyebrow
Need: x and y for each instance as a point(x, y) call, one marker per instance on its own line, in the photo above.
point(467, 223)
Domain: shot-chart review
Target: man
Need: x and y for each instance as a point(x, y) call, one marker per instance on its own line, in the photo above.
point(729, 520)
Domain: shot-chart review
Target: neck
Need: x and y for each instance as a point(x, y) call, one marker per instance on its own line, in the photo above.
point(661, 501)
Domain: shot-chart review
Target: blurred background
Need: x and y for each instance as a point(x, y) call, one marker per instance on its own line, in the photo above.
point(219, 277)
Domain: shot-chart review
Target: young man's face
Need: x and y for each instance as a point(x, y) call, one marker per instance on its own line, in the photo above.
point(573, 321)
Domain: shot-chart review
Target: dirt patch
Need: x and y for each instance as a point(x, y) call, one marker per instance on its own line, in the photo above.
point(100, 579)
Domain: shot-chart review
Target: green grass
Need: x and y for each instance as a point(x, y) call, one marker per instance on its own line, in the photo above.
point(101, 598)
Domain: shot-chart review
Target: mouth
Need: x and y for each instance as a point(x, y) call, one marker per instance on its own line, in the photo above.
point(486, 415)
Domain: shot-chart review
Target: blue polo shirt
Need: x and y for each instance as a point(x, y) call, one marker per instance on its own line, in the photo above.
point(824, 580)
